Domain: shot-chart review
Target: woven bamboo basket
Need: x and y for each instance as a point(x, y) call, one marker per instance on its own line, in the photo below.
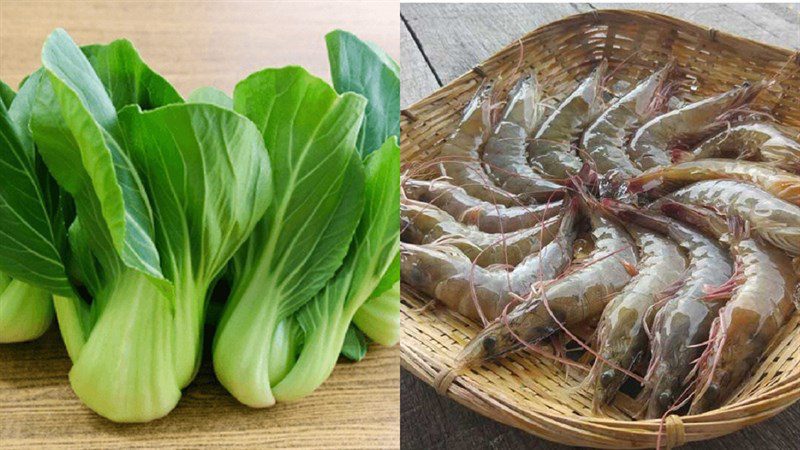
point(531, 392)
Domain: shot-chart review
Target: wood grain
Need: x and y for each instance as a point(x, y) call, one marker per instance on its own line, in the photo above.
point(453, 38)
point(196, 44)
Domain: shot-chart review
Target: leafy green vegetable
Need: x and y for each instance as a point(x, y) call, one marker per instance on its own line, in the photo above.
point(25, 311)
point(363, 68)
point(163, 199)
point(211, 95)
point(6, 94)
point(379, 317)
point(326, 319)
point(319, 182)
point(355, 344)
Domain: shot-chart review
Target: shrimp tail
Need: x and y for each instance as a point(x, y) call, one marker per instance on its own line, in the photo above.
point(679, 155)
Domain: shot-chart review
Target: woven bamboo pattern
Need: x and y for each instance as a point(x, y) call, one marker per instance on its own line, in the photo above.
point(532, 392)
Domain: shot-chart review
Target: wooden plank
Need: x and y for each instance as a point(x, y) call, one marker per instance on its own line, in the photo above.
point(747, 20)
point(357, 407)
point(416, 78)
point(455, 37)
point(195, 44)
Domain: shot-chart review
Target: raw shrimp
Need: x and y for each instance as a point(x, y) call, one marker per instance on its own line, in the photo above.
point(773, 219)
point(504, 153)
point(467, 209)
point(660, 180)
point(551, 152)
point(444, 273)
point(422, 223)
point(652, 144)
point(621, 336)
point(683, 322)
point(604, 141)
point(756, 141)
point(579, 294)
point(460, 160)
point(763, 293)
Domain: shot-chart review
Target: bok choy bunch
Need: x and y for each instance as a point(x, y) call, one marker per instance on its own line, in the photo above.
point(331, 233)
point(164, 193)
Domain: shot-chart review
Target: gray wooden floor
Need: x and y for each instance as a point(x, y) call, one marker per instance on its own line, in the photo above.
point(439, 42)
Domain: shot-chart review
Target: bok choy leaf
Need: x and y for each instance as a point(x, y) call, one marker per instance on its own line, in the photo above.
point(319, 183)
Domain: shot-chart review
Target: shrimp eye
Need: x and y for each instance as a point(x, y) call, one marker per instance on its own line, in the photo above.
point(489, 343)
point(712, 390)
point(607, 377)
point(665, 398)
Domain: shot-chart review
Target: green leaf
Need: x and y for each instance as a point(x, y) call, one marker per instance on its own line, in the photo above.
point(211, 95)
point(127, 79)
point(6, 94)
point(379, 317)
point(362, 67)
point(311, 133)
point(77, 132)
point(373, 251)
point(355, 344)
point(31, 232)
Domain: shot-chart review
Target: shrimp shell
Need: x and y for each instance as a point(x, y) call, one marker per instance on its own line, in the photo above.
point(604, 141)
point(486, 216)
point(775, 220)
point(504, 154)
point(660, 180)
point(761, 302)
point(550, 152)
point(652, 143)
point(422, 223)
point(460, 153)
point(444, 273)
point(684, 320)
point(579, 294)
point(621, 331)
point(756, 141)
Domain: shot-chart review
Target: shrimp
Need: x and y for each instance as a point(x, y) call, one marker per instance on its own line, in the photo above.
point(504, 153)
point(755, 141)
point(460, 158)
point(775, 220)
point(683, 321)
point(444, 273)
point(621, 332)
point(660, 180)
point(423, 223)
point(653, 142)
point(469, 210)
point(579, 294)
point(763, 294)
point(604, 141)
point(550, 152)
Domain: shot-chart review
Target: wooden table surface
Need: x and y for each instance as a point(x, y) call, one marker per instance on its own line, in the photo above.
point(195, 44)
point(438, 43)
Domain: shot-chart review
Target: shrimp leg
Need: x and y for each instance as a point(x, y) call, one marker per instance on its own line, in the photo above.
point(652, 143)
point(550, 152)
point(486, 216)
point(504, 154)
